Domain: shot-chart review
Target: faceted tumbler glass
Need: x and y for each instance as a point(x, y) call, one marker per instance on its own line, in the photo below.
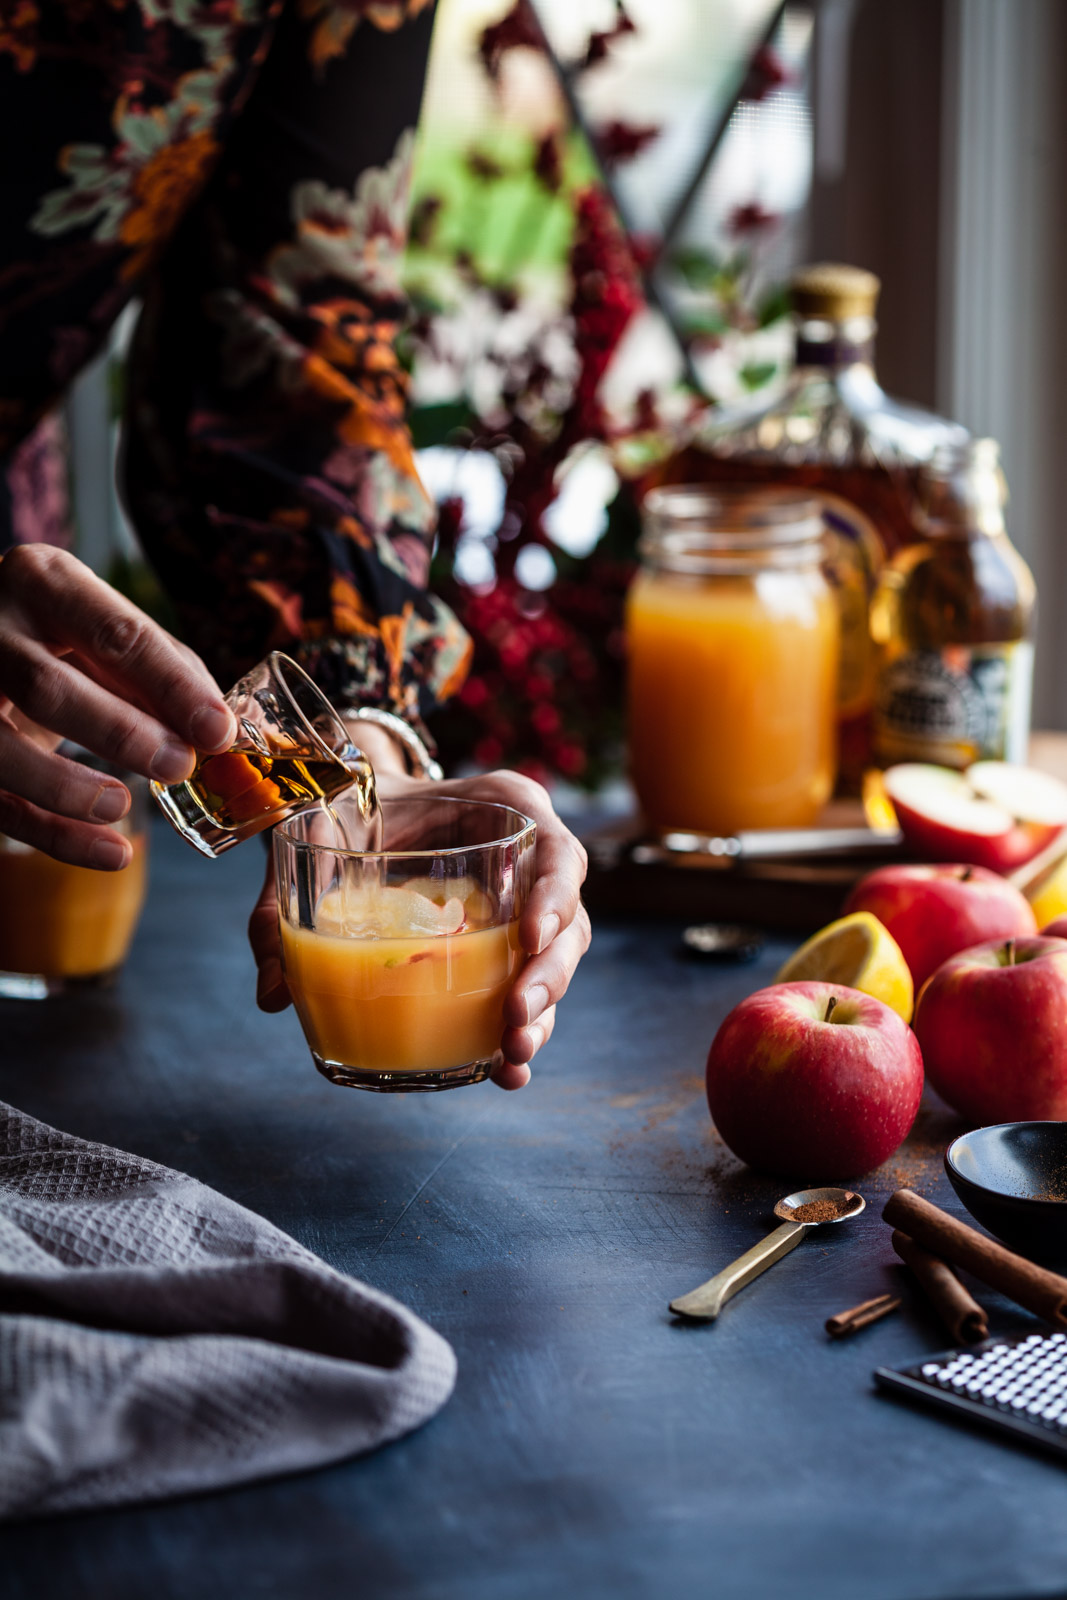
point(398, 959)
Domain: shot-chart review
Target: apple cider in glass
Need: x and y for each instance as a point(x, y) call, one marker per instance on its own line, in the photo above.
point(399, 959)
point(406, 1002)
point(60, 923)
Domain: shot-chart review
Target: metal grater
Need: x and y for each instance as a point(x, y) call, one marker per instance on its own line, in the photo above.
point(1018, 1385)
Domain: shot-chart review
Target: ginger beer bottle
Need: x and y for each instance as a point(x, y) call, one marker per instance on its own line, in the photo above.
point(952, 622)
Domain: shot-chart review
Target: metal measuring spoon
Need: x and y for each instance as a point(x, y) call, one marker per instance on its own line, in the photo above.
point(705, 1303)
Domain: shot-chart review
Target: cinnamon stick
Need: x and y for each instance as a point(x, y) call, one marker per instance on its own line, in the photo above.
point(959, 1311)
point(861, 1316)
point(1044, 1293)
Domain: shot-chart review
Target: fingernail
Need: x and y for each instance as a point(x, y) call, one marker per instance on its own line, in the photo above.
point(110, 804)
point(172, 762)
point(109, 854)
point(546, 931)
point(536, 998)
point(211, 727)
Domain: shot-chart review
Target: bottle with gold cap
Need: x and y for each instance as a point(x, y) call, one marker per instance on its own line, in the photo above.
point(834, 430)
point(952, 623)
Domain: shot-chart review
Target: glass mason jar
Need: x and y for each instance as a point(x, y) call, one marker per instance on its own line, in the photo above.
point(732, 640)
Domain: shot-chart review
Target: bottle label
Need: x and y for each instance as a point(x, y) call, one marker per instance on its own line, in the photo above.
point(957, 705)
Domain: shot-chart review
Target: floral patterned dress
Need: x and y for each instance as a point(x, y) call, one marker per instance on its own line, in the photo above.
point(243, 166)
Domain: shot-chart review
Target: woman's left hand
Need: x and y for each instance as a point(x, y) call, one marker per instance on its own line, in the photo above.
point(553, 930)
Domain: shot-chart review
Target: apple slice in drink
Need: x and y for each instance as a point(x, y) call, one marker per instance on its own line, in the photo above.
point(994, 815)
point(476, 902)
point(390, 912)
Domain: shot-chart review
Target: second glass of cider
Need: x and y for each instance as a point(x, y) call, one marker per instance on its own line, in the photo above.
point(732, 639)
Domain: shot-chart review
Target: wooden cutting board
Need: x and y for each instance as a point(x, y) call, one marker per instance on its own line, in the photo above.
point(795, 896)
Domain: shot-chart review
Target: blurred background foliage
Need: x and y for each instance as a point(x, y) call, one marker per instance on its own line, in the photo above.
point(603, 210)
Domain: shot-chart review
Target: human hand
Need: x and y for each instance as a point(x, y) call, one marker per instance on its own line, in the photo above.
point(553, 930)
point(79, 661)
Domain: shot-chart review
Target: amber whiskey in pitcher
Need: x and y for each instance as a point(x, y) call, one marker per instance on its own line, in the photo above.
point(247, 788)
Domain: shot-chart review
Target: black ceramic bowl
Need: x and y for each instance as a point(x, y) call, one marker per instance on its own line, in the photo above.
point(1005, 1176)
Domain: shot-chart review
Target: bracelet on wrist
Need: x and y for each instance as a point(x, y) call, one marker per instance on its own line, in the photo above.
point(420, 763)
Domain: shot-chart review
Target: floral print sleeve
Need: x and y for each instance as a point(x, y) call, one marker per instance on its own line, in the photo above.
point(250, 179)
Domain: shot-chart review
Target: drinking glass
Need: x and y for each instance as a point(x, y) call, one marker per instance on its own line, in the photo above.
point(61, 924)
point(398, 959)
point(292, 749)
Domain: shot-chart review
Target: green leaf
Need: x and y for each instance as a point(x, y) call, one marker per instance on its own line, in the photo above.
point(438, 424)
point(705, 323)
point(756, 373)
point(699, 268)
point(773, 306)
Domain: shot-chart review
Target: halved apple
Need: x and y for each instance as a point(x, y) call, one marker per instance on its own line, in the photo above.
point(994, 815)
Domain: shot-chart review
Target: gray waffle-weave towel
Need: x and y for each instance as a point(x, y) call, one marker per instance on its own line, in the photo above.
point(157, 1339)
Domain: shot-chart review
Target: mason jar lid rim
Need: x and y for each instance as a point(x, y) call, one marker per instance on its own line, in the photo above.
point(760, 508)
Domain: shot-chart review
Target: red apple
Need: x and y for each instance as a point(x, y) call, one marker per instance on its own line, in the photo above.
point(934, 912)
point(814, 1080)
point(1056, 929)
point(992, 1023)
point(994, 815)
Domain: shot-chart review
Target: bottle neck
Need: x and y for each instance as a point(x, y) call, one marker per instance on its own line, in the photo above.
point(835, 346)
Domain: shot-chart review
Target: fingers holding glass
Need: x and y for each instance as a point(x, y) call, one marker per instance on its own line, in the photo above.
point(555, 899)
point(520, 1049)
point(543, 982)
point(272, 992)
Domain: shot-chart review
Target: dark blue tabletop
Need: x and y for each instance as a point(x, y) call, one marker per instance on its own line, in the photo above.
point(593, 1445)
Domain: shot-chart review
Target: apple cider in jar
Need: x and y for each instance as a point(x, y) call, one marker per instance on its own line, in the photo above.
point(732, 639)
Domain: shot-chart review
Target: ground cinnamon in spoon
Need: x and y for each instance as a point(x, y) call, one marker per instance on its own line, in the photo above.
point(822, 1210)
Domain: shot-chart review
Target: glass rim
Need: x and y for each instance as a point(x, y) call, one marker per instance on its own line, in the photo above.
point(711, 528)
point(281, 666)
point(528, 828)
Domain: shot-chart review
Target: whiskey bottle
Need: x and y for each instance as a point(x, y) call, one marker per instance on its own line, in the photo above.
point(952, 622)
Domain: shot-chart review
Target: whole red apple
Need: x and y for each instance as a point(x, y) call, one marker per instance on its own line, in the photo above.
point(992, 1023)
point(934, 912)
point(813, 1080)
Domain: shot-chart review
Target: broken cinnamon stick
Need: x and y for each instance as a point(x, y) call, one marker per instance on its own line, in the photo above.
point(959, 1311)
point(861, 1316)
point(1042, 1292)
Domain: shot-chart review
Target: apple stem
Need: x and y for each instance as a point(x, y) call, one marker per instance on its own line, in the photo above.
point(1009, 951)
point(830, 1004)
point(967, 874)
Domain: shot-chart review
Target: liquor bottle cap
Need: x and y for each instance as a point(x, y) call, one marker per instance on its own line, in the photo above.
point(829, 289)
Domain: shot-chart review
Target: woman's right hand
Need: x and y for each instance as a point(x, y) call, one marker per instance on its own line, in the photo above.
point(78, 661)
